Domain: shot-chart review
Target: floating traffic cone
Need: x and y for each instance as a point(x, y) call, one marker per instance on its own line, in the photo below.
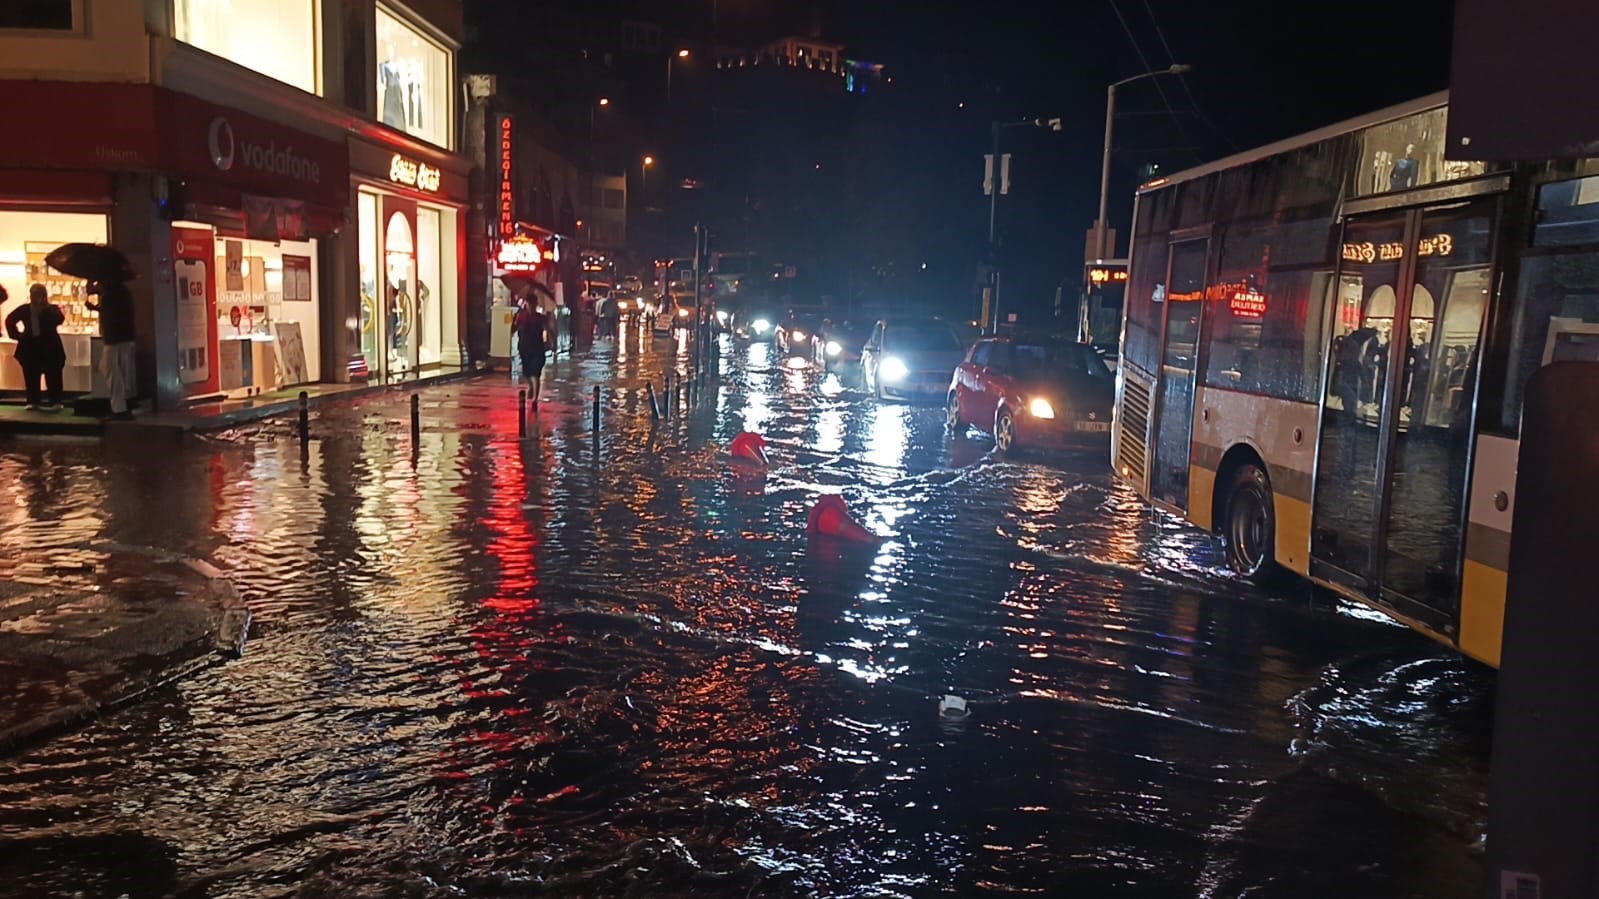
point(749, 447)
point(830, 518)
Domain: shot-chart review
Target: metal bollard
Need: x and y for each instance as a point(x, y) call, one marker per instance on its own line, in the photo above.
point(305, 416)
point(416, 419)
point(596, 413)
point(521, 412)
point(655, 408)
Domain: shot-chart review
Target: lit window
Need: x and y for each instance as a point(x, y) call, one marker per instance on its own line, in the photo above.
point(277, 38)
point(413, 76)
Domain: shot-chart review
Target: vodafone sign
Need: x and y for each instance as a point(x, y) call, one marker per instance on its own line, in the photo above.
point(235, 148)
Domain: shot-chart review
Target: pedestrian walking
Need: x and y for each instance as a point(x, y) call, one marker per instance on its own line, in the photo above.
point(36, 329)
point(533, 338)
point(117, 335)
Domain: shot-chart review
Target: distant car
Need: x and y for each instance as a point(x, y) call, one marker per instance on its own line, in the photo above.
point(631, 286)
point(796, 333)
point(1034, 394)
point(669, 316)
point(756, 322)
point(837, 346)
point(911, 358)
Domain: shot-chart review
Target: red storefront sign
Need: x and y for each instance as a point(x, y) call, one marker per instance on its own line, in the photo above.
point(214, 143)
point(81, 125)
point(507, 185)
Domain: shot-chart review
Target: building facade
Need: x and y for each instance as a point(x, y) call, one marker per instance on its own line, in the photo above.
point(284, 175)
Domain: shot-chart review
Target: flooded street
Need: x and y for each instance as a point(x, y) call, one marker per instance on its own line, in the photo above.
point(506, 667)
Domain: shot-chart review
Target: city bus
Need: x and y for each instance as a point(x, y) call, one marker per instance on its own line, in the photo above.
point(1324, 349)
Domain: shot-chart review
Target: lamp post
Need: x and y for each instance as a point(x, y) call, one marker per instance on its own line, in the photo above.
point(644, 176)
point(1104, 169)
point(680, 54)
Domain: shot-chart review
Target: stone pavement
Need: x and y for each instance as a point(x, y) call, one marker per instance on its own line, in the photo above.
point(90, 629)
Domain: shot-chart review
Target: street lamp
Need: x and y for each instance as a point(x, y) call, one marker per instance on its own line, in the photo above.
point(1104, 170)
point(644, 175)
point(681, 54)
point(990, 317)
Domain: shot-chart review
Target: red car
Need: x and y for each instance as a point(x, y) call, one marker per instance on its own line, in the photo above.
point(1034, 394)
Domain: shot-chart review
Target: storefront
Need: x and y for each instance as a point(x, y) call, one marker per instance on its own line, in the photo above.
point(410, 238)
point(26, 235)
point(257, 202)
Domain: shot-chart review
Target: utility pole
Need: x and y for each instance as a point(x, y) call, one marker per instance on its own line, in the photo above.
point(991, 253)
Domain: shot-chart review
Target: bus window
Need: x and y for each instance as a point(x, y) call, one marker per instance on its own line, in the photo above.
point(1557, 297)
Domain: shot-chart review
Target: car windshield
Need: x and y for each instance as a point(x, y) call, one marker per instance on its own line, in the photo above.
point(805, 323)
point(850, 333)
point(1057, 362)
point(921, 337)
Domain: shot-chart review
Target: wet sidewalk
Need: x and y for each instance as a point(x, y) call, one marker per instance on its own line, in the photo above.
point(86, 630)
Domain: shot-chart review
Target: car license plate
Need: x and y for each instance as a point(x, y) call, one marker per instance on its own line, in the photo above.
point(1092, 426)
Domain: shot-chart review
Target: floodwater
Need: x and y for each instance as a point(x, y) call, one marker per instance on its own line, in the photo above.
point(492, 666)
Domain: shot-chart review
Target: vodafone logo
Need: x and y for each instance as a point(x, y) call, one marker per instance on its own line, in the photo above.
point(269, 159)
point(219, 140)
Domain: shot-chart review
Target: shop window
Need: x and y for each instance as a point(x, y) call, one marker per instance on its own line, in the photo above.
point(25, 238)
point(414, 80)
point(1408, 153)
point(277, 38)
point(41, 15)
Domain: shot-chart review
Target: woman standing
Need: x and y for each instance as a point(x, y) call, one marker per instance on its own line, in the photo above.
point(36, 329)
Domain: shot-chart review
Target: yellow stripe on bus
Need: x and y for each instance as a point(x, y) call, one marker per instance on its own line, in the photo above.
point(1201, 487)
point(1293, 533)
point(1482, 611)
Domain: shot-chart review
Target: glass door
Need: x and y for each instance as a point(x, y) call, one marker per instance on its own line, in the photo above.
point(1392, 468)
point(1371, 285)
point(1185, 293)
point(1425, 513)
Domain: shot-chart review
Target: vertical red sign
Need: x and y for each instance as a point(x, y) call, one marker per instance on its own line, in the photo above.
point(507, 186)
point(195, 283)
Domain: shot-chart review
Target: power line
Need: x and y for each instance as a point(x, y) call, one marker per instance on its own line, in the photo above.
point(1183, 80)
point(1166, 101)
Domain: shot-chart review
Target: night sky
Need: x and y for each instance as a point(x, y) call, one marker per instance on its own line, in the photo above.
point(1261, 71)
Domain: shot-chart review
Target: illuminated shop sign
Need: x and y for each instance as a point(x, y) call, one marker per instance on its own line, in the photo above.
point(507, 188)
point(520, 254)
point(1437, 245)
point(415, 174)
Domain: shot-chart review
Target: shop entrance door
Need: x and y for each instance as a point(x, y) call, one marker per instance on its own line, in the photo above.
point(398, 304)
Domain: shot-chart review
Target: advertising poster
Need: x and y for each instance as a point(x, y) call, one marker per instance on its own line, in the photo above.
point(235, 265)
point(193, 250)
point(296, 279)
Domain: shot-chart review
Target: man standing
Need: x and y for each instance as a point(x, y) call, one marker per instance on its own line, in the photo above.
point(532, 329)
point(116, 333)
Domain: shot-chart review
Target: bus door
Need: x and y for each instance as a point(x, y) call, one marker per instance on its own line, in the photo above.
point(1179, 365)
point(1401, 386)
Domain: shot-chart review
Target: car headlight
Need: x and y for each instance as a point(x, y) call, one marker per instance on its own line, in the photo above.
point(797, 335)
point(893, 369)
point(1040, 408)
point(721, 316)
point(682, 313)
point(622, 305)
point(762, 326)
point(834, 348)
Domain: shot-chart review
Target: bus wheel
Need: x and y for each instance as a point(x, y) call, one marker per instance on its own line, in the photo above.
point(1249, 529)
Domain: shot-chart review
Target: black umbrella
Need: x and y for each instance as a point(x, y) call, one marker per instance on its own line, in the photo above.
point(96, 262)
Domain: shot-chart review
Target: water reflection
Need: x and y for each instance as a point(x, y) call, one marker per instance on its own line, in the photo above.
point(509, 668)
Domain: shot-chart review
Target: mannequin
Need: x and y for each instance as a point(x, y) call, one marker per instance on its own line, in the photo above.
point(1406, 168)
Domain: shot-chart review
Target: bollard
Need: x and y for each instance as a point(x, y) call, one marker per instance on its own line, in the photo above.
point(669, 395)
point(521, 412)
point(655, 409)
point(416, 419)
point(596, 414)
point(305, 416)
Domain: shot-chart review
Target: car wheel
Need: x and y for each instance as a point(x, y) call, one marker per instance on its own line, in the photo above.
point(1004, 431)
point(1249, 525)
point(953, 421)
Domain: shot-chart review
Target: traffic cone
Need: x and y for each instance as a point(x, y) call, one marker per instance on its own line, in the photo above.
point(749, 447)
point(830, 518)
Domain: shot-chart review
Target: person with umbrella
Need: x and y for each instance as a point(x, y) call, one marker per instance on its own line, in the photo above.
point(35, 328)
point(533, 333)
point(108, 273)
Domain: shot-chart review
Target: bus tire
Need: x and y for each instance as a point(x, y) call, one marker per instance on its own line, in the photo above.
point(1249, 524)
